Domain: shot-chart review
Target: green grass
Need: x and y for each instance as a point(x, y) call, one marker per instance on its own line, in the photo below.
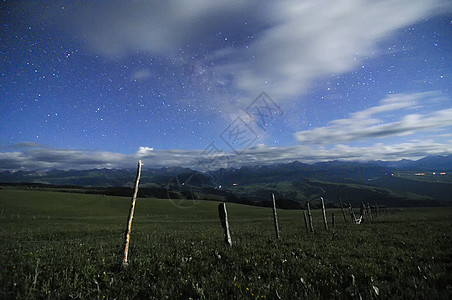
point(61, 245)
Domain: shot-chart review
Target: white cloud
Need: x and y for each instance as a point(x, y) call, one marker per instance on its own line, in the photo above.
point(310, 39)
point(143, 151)
point(47, 158)
point(290, 43)
point(392, 103)
point(31, 158)
point(365, 124)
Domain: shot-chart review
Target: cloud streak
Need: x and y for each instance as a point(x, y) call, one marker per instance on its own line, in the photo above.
point(311, 39)
point(290, 43)
point(118, 28)
point(41, 158)
point(366, 124)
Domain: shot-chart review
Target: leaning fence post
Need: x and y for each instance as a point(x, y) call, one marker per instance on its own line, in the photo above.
point(306, 221)
point(275, 217)
point(125, 262)
point(311, 227)
point(325, 221)
point(225, 223)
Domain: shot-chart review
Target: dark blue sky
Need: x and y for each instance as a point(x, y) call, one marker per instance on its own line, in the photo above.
point(101, 84)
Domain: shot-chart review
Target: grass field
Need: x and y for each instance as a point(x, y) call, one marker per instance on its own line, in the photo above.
point(61, 245)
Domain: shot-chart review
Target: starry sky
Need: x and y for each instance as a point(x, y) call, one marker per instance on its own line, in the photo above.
point(207, 84)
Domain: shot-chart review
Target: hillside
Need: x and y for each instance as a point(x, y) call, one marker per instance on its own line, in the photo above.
point(426, 182)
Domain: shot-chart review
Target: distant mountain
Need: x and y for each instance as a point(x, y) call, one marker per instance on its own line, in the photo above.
point(433, 163)
point(400, 164)
point(428, 163)
point(400, 183)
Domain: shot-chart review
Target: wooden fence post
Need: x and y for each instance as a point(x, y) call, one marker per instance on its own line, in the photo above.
point(343, 212)
point(311, 227)
point(225, 223)
point(275, 217)
point(306, 221)
point(370, 211)
point(125, 262)
point(325, 221)
point(363, 211)
point(352, 214)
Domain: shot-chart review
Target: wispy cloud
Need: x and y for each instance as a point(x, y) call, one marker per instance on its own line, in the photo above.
point(117, 28)
point(367, 124)
point(290, 43)
point(310, 39)
point(40, 158)
point(32, 158)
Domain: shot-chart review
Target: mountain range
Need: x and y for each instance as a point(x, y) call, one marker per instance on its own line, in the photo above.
point(425, 182)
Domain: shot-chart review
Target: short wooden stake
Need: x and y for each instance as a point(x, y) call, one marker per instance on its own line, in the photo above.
point(225, 223)
point(275, 217)
point(125, 262)
point(343, 212)
point(370, 211)
point(311, 227)
point(325, 221)
point(306, 221)
point(352, 214)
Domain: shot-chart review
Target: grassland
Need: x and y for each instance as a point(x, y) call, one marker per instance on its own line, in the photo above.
point(60, 245)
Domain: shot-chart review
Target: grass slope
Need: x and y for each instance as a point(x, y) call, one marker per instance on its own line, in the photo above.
point(60, 245)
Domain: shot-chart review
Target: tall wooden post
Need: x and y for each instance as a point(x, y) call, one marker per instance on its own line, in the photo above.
point(275, 217)
point(325, 221)
point(225, 223)
point(343, 212)
point(311, 227)
point(125, 262)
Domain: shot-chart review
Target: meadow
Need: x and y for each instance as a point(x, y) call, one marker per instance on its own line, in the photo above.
point(61, 245)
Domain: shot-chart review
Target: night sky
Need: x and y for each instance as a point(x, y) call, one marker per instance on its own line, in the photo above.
point(204, 84)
